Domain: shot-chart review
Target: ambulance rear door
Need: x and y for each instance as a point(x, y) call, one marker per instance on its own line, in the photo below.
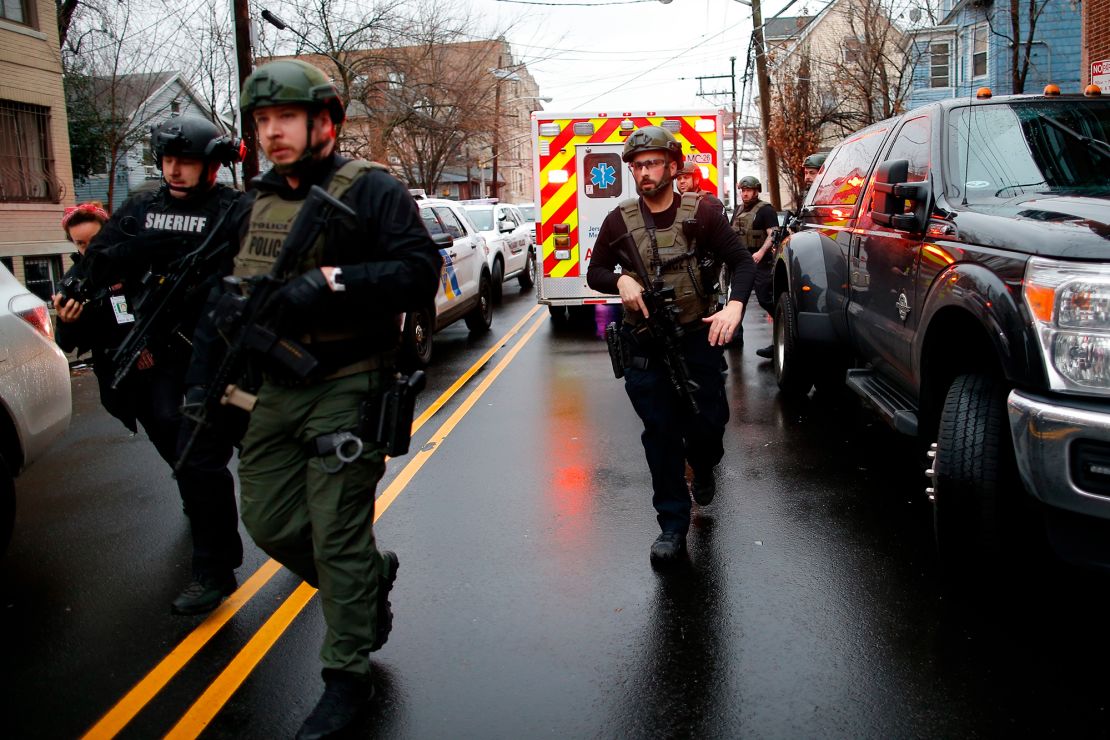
point(604, 181)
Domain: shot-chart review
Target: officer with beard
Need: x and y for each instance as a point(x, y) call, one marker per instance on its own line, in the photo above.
point(673, 435)
point(145, 234)
point(812, 167)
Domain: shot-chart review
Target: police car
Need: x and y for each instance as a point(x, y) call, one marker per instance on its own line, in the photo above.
point(35, 396)
point(510, 238)
point(465, 283)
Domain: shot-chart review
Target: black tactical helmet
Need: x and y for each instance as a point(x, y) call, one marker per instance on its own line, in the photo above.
point(196, 137)
point(814, 161)
point(652, 138)
point(291, 82)
point(750, 182)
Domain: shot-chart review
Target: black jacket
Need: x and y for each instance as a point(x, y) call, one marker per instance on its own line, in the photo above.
point(151, 230)
point(98, 330)
point(390, 265)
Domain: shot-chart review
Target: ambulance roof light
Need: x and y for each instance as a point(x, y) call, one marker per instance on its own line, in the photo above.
point(549, 129)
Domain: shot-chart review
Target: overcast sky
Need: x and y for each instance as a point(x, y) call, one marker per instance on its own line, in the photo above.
point(631, 54)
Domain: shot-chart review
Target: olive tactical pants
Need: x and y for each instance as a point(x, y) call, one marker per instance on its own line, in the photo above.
point(317, 524)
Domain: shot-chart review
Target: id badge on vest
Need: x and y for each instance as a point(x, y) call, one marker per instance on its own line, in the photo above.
point(121, 310)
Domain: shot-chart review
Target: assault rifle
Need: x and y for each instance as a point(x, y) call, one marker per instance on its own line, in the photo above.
point(243, 316)
point(782, 231)
point(661, 324)
point(165, 295)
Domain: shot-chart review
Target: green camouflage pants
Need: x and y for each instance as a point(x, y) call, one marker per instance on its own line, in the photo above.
point(317, 524)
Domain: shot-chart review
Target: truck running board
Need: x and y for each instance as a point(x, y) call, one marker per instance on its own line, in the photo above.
point(896, 408)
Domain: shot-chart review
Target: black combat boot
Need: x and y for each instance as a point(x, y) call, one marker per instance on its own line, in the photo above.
point(346, 696)
point(704, 487)
point(766, 352)
point(386, 578)
point(668, 548)
point(203, 594)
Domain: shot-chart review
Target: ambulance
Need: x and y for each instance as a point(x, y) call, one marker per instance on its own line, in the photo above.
point(580, 178)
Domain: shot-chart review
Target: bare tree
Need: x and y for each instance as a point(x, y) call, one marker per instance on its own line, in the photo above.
point(876, 62)
point(214, 74)
point(1020, 39)
point(112, 68)
point(797, 119)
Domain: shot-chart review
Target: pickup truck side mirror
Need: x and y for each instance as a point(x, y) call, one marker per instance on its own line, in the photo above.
point(443, 241)
point(892, 191)
point(505, 225)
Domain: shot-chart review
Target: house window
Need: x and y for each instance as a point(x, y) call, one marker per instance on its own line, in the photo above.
point(41, 275)
point(851, 50)
point(939, 61)
point(26, 165)
point(148, 154)
point(15, 11)
point(175, 106)
point(979, 50)
point(396, 80)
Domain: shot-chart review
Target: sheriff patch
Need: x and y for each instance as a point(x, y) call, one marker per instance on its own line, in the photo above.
point(176, 222)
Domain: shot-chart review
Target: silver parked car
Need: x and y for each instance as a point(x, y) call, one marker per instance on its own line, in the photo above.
point(35, 396)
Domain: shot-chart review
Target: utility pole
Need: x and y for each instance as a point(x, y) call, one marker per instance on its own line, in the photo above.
point(701, 93)
point(245, 61)
point(735, 125)
point(764, 82)
point(496, 117)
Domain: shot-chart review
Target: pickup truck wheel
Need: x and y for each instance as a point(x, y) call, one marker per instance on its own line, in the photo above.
point(480, 317)
point(526, 278)
point(973, 473)
point(416, 340)
point(794, 377)
point(7, 506)
point(498, 280)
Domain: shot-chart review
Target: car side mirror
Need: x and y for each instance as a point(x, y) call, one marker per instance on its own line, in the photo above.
point(891, 191)
point(443, 241)
point(505, 226)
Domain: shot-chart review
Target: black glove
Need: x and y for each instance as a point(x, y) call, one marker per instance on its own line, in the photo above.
point(301, 292)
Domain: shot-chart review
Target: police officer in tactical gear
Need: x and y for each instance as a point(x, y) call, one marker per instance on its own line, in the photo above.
point(755, 222)
point(812, 166)
point(148, 232)
point(662, 224)
point(689, 180)
point(309, 509)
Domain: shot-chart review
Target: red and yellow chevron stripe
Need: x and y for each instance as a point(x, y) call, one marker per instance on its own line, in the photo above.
point(559, 200)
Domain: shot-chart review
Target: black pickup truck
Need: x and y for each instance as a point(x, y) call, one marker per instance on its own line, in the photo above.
point(952, 266)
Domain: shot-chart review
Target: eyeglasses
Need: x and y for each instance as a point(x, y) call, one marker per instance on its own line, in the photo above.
point(646, 164)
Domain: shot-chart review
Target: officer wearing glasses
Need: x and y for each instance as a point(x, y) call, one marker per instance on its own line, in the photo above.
point(673, 435)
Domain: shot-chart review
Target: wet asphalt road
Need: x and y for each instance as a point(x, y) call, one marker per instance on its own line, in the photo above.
point(525, 604)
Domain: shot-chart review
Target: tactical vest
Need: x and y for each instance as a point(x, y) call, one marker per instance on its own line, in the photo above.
point(272, 217)
point(693, 301)
point(751, 238)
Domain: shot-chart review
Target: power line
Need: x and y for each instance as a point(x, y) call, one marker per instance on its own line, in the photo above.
point(562, 5)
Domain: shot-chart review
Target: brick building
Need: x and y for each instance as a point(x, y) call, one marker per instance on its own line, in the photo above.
point(1096, 35)
point(36, 182)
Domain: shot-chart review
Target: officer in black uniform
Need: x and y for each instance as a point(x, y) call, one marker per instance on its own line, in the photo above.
point(147, 233)
point(755, 222)
point(673, 435)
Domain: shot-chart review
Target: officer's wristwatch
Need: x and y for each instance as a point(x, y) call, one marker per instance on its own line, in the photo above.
point(335, 281)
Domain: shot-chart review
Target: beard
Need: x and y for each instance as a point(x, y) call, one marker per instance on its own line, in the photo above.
point(646, 188)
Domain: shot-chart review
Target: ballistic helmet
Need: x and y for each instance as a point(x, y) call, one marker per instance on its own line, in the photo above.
point(649, 139)
point(195, 137)
point(291, 82)
point(749, 181)
point(690, 168)
point(814, 161)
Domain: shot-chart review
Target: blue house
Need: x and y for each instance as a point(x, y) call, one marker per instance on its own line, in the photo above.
point(971, 48)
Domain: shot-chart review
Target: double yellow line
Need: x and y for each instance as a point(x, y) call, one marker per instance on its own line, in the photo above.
point(224, 686)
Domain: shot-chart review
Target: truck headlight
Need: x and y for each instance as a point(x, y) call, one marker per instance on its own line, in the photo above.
point(1070, 305)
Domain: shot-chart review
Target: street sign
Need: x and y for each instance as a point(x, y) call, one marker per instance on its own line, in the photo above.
point(1100, 74)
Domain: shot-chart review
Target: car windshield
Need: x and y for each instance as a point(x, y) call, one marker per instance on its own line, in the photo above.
point(529, 212)
point(482, 217)
point(1001, 151)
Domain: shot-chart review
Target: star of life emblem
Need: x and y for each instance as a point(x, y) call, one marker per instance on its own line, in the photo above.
point(603, 175)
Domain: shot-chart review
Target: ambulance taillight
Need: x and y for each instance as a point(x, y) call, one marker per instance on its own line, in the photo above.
point(562, 241)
